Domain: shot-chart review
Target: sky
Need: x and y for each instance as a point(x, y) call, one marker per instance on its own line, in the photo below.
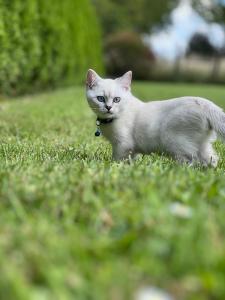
point(172, 41)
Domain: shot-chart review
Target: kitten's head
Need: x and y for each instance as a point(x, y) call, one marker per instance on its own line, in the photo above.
point(107, 97)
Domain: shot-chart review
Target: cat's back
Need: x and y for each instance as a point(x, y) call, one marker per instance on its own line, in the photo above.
point(156, 113)
point(188, 103)
point(155, 108)
point(175, 102)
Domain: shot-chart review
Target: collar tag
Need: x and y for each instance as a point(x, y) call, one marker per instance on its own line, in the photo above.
point(100, 122)
point(98, 131)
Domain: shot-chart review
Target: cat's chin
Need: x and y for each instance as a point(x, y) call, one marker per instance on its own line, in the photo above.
point(107, 115)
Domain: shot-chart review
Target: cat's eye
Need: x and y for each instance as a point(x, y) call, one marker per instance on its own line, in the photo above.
point(116, 99)
point(101, 98)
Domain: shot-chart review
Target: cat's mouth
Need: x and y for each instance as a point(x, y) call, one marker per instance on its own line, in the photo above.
point(108, 113)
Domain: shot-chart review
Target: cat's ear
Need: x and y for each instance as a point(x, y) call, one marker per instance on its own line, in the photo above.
point(92, 78)
point(125, 80)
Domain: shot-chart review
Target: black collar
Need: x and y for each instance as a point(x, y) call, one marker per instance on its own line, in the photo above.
point(104, 121)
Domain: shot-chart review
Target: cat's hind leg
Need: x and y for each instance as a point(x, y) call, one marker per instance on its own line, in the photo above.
point(205, 156)
point(183, 158)
point(208, 156)
point(184, 150)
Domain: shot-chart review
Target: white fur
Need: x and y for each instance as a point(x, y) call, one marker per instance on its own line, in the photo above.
point(184, 128)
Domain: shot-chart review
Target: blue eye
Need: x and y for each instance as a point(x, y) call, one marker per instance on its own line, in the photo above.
point(116, 99)
point(101, 98)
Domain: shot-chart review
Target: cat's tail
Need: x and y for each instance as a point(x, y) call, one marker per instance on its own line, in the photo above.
point(216, 118)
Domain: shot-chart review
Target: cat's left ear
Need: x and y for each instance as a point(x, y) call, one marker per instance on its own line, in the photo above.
point(125, 80)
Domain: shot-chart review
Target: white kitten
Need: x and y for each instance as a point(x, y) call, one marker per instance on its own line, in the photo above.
point(183, 127)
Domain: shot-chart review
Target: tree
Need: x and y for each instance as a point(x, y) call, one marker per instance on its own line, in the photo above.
point(211, 10)
point(200, 44)
point(134, 15)
point(125, 51)
point(46, 43)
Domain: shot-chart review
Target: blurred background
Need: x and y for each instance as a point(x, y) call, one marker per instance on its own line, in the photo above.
point(174, 40)
point(53, 43)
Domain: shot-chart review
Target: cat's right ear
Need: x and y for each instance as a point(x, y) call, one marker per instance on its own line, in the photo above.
point(92, 79)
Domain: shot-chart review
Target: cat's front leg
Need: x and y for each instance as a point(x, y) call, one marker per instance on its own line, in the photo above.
point(121, 152)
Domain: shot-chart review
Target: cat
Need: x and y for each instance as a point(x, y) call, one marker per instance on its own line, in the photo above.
point(183, 128)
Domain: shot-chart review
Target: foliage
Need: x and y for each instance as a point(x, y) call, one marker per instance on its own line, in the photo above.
point(212, 10)
point(200, 44)
point(135, 15)
point(46, 43)
point(74, 225)
point(126, 51)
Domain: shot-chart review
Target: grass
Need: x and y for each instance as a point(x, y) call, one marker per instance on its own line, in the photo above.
point(74, 225)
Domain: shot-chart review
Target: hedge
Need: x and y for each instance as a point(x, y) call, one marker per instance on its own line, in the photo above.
point(45, 43)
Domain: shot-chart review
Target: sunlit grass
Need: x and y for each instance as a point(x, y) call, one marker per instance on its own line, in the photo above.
point(74, 225)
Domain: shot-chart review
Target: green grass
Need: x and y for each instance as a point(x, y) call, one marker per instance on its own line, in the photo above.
point(74, 225)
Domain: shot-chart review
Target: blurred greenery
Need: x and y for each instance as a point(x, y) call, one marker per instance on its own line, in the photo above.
point(212, 10)
point(136, 15)
point(46, 43)
point(200, 44)
point(75, 225)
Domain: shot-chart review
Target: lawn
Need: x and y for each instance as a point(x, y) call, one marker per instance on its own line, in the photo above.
point(74, 225)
